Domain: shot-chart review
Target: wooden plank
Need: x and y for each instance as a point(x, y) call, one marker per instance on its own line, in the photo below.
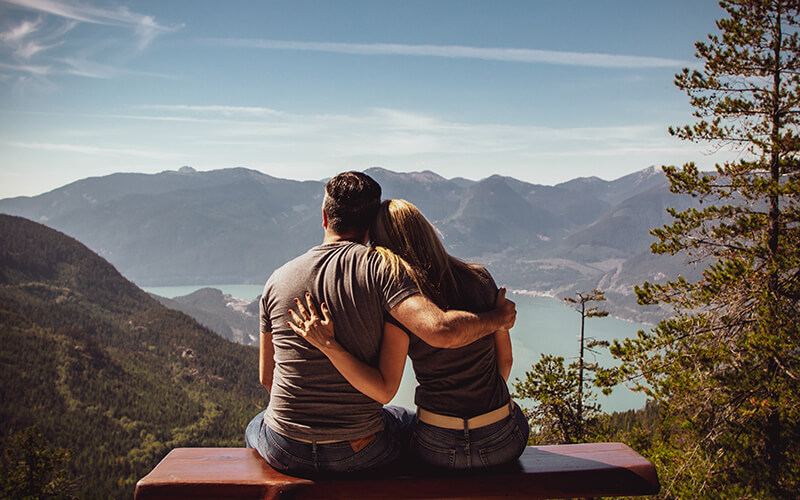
point(566, 471)
point(210, 473)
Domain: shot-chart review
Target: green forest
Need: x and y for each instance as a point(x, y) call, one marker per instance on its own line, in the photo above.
point(99, 381)
point(722, 369)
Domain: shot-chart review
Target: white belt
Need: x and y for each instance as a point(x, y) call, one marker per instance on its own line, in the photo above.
point(448, 422)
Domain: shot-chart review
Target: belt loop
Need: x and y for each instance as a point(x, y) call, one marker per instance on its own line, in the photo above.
point(314, 455)
point(467, 444)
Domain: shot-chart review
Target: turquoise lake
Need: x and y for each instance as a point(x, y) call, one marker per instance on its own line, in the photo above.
point(544, 325)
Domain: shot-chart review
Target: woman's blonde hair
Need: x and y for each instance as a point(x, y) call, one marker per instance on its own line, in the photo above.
point(405, 239)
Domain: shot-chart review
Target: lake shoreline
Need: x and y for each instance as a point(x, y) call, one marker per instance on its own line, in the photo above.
point(250, 292)
point(545, 325)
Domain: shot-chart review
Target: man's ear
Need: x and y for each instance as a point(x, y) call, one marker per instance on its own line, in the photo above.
point(324, 219)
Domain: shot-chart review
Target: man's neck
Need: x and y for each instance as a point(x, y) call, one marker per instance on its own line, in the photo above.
point(331, 237)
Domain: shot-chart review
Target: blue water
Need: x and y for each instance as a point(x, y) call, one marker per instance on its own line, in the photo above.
point(544, 325)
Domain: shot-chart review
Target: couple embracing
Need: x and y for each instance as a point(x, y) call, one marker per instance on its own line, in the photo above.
point(337, 324)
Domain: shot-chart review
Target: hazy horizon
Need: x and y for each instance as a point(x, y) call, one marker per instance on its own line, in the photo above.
point(286, 177)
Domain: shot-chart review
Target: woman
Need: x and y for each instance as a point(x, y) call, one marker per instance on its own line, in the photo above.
point(466, 418)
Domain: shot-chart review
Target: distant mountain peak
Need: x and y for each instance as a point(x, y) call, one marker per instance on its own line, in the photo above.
point(649, 176)
point(186, 169)
point(590, 180)
point(650, 171)
point(425, 176)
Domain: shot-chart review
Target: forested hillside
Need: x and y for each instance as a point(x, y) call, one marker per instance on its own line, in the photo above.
point(102, 369)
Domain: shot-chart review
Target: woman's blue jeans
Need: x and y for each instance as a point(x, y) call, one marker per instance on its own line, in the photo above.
point(312, 459)
point(494, 444)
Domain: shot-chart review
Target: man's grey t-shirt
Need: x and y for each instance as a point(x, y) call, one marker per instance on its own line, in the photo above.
point(310, 399)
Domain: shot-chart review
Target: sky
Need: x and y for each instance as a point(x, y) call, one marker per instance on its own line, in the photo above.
point(541, 90)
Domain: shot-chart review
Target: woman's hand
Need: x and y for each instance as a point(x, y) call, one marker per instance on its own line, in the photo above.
point(308, 324)
point(379, 383)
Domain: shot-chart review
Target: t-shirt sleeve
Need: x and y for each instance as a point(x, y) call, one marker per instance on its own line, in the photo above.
point(391, 319)
point(393, 289)
point(489, 288)
point(262, 313)
point(477, 289)
point(263, 309)
point(490, 285)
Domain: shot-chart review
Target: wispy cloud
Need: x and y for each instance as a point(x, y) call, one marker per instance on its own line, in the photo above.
point(94, 150)
point(587, 59)
point(215, 109)
point(145, 27)
point(76, 67)
point(39, 27)
point(20, 31)
point(88, 69)
point(383, 132)
point(29, 37)
point(277, 141)
point(26, 68)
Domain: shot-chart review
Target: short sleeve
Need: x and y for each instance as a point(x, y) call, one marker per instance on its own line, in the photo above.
point(393, 289)
point(265, 323)
point(489, 284)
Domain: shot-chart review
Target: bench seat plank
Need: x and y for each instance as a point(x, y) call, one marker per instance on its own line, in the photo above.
point(564, 471)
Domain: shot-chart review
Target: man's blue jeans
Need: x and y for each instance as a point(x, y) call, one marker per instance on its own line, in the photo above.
point(495, 444)
point(309, 459)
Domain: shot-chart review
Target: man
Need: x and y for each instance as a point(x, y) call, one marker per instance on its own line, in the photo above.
point(316, 422)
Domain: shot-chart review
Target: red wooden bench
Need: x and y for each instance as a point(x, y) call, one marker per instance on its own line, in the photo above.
point(564, 471)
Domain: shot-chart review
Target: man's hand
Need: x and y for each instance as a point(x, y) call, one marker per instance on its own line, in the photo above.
point(453, 328)
point(506, 309)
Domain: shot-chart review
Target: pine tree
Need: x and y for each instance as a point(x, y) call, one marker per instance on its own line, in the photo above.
point(564, 409)
point(725, 367)
point(30, 468)
point(551, 386)
point(586, 312)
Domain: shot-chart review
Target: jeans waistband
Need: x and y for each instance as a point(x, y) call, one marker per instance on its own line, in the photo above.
point(456, 423)
point(319, 441)
point(355, 444)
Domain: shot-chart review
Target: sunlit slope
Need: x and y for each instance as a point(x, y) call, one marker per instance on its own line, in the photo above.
point(106, 371)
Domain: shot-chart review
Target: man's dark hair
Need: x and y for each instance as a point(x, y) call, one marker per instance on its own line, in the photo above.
point(351, 203)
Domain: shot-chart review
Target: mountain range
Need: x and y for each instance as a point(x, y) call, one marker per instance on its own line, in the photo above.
point(237, 225)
